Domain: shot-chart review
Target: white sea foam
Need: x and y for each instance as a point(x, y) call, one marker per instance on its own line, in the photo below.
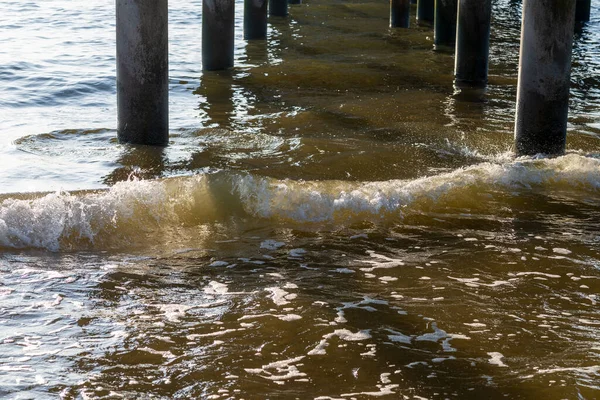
point(271, 245)
point(343, 334)
point(279, 370)
point(496, 359)
point(383, 391)
point(131, 210)
point(279, 296)
point(318, 201)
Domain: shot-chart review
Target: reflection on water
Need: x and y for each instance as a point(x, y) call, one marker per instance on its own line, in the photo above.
point(332, 219)
point(141, 162)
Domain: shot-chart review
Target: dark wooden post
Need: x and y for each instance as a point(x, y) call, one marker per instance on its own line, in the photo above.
point(218, 17)
point(583, 10)
point(425, 10)
point(473, 42)
point(278, 8)
point(544, 76)
point(142, 72)
point(255, 19)
point(444, 26)
point(399, 13)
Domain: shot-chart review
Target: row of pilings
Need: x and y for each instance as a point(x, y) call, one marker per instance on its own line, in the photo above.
point(544, 64)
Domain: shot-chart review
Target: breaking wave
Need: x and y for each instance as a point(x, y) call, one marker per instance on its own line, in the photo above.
point(130, 211)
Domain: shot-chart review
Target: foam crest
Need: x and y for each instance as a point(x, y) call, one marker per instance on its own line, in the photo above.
point(335, 200)
point(64, 221)
point(131, 212)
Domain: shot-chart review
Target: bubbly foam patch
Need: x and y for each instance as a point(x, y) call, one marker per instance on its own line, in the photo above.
point(343, 334)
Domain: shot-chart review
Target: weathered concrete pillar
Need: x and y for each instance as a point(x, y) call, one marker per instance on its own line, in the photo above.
point(425, 10)
point(473, 42)
point(142, 72)
point(278, 8)
point(399, 13)
point(583, 10)
point(444, 26)
point(218, 17)
point(255, 19)
point(544, 76)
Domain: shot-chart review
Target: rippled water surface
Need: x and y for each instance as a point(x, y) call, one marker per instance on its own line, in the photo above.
point(331, 220)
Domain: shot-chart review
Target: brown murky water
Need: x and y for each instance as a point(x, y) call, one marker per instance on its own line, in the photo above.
point(332, 220)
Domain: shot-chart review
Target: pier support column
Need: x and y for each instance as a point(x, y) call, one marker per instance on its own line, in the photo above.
point(142, 72)
point(583, 10)
point(473, 42)
point(399, 13)
point(278, 8)
point(218, 17)
point(255, 19)
point(444, 27)
point(425, 10)
point(544, 76)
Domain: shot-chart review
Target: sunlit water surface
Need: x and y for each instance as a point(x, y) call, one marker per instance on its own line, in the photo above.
point(332, 220)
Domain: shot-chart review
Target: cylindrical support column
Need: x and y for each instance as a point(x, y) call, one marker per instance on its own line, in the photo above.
point(583, 10)
point(444, 26)
point(399, 13)
point(544, 76)
point(294, 1)
point(425, 10)
point(255, 19)
point(142, 72)
point(473, 42)
point(218, 17)
point(278, 8)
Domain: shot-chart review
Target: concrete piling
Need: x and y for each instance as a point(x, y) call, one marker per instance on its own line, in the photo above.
point(218, 17)
point(142, 72)
point(399, 13)
point(444, 26)
point(472, 42)
point(544, 76)
point(425, 10)
point(583, 10)
point(278, 8)
point(255, 19)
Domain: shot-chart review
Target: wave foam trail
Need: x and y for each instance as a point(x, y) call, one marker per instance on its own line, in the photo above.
point(129, 211)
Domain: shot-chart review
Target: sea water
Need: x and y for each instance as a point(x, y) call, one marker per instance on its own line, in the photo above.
point(331, 220)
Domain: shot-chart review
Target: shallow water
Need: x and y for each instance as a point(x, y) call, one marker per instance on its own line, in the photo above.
point(331, 220)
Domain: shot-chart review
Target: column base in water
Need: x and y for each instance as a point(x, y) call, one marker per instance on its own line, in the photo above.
point(544, 77)
point(278, 8)
point(472, 42)
point(142, 72)
point(425, 10)
point(218, 17)
point(399, 13)
point(255, 19)
point(444, 26)
point(583, 10)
